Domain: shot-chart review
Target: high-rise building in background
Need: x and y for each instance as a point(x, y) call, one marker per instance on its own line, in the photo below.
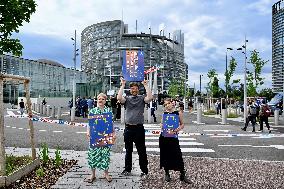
point(278, 46)
point(103, 44)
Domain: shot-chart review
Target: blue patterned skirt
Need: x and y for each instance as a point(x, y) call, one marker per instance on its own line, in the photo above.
point(99, 158)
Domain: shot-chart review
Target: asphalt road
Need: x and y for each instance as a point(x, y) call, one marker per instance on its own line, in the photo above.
point(211, 139)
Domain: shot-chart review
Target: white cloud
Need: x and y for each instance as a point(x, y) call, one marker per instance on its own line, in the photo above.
point(262, 6)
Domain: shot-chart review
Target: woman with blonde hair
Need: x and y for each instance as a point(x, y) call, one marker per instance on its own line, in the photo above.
point(99, 157)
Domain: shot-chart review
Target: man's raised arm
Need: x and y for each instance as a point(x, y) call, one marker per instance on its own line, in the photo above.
point(149, 96)
point(120, 98)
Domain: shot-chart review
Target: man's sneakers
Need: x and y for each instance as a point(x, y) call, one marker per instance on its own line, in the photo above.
point(125, 173)
point(244, 129)
point(167, 177)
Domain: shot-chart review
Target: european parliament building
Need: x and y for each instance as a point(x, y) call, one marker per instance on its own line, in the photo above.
point(102, 45)
point(48, 78)
point(278, 46)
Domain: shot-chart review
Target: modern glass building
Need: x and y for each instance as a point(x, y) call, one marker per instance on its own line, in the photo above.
point(277, 46)
point(48, 78)
point(103, 44)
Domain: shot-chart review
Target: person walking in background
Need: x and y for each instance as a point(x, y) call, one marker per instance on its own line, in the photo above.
point(90, 103)
point(252, 112)
point(190, 105)
point(113, 103)
point(170, 152)
point(134, 119)
point(99, 157)
point(264, 113)
point(84, 107)
point(43, 101)
point(22, 107)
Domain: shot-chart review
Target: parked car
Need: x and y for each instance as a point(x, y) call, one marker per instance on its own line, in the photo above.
point(276, 103)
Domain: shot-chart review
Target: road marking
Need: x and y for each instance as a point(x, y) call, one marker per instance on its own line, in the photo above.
point(57, 131)
point(179, 138)
point(216, 131)
point(42, 130)
point(10, 113)
point(20, 128)
point(8, 126)
point(81, 132)
point(234, 145)
point(182, 150)
point(13, 127)
point(180, 143)
point(221, 136)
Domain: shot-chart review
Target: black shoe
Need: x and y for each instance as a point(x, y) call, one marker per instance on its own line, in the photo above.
point(167, 178)
point(269, 131)
point(244, 129)
point(125, 173)
point(185, 180)
point(253, 131)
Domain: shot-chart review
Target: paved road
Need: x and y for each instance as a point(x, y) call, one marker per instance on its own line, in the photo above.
point(206, 140)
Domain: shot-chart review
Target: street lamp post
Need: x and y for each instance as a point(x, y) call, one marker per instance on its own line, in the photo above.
point(200, 83)
point(244, 47)
point(74, 75)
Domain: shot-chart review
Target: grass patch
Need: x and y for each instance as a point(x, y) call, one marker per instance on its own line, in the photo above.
point(13, 163)
point(231, 115)
point(210, 112)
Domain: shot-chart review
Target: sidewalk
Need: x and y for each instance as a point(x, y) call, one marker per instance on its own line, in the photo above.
point(74, 178)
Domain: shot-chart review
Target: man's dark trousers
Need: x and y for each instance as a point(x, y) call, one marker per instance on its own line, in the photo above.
point(136, 134)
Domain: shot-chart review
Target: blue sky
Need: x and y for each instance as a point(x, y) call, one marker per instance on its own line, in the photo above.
point(210, 26)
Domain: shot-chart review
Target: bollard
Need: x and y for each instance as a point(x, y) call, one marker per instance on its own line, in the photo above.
point(41, 109)
point(238, 111)
point(34, 106)
point(47, 110)
point(58, 116)
point(37, 108)
point(199, 113)
point(52, 115)
point(44, 109)
point(122, 118)
point(224, 116)
point(276, 117)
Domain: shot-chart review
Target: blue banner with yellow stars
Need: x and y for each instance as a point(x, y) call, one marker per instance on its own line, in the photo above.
point(170, 123)
point(101, 130)
point(133, 65)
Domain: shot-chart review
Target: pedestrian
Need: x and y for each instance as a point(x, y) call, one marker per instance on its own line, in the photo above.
point(217, 106)
point(22, 107)
point(251, 116)
point(263, 116)
point(43, 101)
point(84, 107)
point(134, 130)
point(170, 152)
point(90, 103)
point(190, 105)
point(113, 103)
point(99, 157)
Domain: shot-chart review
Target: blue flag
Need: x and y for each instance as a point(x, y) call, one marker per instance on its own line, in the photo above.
point(101, 130)
point(133, 65)
point(170, 122)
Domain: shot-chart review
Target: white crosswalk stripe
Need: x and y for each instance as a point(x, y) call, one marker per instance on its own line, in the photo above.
point(185, 141)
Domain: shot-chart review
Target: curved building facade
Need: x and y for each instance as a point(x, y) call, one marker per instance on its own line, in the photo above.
point(103, 44)
point(277, 46)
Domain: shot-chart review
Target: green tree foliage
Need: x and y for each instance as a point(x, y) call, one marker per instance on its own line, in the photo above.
point(229, 73)
point(267, 92)
point(210, 87)
point(176, 88)
point(12, 15)
point(254, 78)
point(215, 88)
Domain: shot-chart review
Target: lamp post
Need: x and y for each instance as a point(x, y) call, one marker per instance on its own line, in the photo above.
point(244, 48)
point(109, 67)
point(226, 77)
point(74, 77)
point(200, 84)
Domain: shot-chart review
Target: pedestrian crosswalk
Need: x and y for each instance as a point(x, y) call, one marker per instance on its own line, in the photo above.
point(16, 114)
point(186, 142)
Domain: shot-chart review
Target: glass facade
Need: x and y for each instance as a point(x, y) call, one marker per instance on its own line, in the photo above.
point(277, 46)
point(102, 46)
point(48, 78)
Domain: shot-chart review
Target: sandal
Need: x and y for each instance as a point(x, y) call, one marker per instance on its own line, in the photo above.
point(90, 180)
point(108, 178)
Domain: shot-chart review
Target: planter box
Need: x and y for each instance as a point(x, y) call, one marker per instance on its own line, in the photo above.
point(7, 180)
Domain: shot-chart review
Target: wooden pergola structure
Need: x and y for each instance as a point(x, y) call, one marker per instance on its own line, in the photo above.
point(26, 82)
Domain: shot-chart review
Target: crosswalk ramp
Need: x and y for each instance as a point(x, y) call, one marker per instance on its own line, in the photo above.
point(186, 142)
point(15, 113)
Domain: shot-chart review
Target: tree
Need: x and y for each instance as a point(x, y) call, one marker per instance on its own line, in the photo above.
point(12, 15)
point(229, 73)
point(254, 78)
point(267, 92)
point(215, 88)
point(176, 88)
point(211, 75)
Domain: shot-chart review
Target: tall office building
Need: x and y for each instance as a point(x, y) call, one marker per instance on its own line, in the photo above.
point(278, 46)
